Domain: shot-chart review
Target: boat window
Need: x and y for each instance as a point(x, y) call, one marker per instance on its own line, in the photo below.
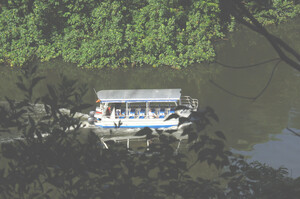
point(163, 105)
point(137, 105)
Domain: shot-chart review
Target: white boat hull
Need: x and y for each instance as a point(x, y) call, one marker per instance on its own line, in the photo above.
point(136, 123)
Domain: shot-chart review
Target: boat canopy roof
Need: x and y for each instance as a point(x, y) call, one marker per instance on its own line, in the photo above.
point(139, 95)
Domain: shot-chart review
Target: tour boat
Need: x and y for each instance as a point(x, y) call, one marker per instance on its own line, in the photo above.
point(139, 108)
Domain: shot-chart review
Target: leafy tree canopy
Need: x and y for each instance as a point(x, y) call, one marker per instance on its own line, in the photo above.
point(113, 33)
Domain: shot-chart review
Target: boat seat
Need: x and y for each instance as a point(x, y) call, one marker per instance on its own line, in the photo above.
point(142, 114)
point(131, 117)
point(162, 113)
point(121, 117)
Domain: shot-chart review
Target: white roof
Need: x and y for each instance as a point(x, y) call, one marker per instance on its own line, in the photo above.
point(139, 95)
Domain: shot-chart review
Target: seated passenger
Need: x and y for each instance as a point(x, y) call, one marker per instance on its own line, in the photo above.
point(151, 114)
point(108, 111)
point(118, 112)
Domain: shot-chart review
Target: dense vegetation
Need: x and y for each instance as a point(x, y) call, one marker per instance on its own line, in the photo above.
point(71, 164)
point(113, 33)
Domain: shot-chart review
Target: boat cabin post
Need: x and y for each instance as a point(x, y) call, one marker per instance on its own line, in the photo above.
point(147, 109)
point(126, 110)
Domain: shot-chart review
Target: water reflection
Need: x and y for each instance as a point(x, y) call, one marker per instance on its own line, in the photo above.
point(281, 151)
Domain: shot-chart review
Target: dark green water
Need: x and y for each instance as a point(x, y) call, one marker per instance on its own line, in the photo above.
point(256, 127)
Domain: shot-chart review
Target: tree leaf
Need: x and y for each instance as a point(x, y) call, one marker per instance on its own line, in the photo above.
point(52, 92)
point(180, 107)
point(35, 81)
point(183, 120)
point(170, 131)
point(33, 70)
point(144, 131)
point(159, 131)
point(192, 137)
point(172, 116)
point(220, 135)
point(22, 86)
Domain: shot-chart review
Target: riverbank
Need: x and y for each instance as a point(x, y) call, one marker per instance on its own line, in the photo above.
point(121, 34)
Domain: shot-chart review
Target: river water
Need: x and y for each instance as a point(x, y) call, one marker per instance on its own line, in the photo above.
point(256, 128)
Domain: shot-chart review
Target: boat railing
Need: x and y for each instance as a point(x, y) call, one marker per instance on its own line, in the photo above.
point(195, 103)
point(189, 102)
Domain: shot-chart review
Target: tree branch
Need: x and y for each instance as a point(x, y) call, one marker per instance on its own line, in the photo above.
point(245, 97)
point(239, 11)
point(247, 66)
point(297, 134)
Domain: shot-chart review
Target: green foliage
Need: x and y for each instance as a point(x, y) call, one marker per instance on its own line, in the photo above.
point(113, 33)
point(69, 163)
point(273, 11)
point(257, 180)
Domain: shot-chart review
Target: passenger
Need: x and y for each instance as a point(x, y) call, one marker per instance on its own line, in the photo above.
point(118, 112)
point(108, 111)
point(151, 114)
